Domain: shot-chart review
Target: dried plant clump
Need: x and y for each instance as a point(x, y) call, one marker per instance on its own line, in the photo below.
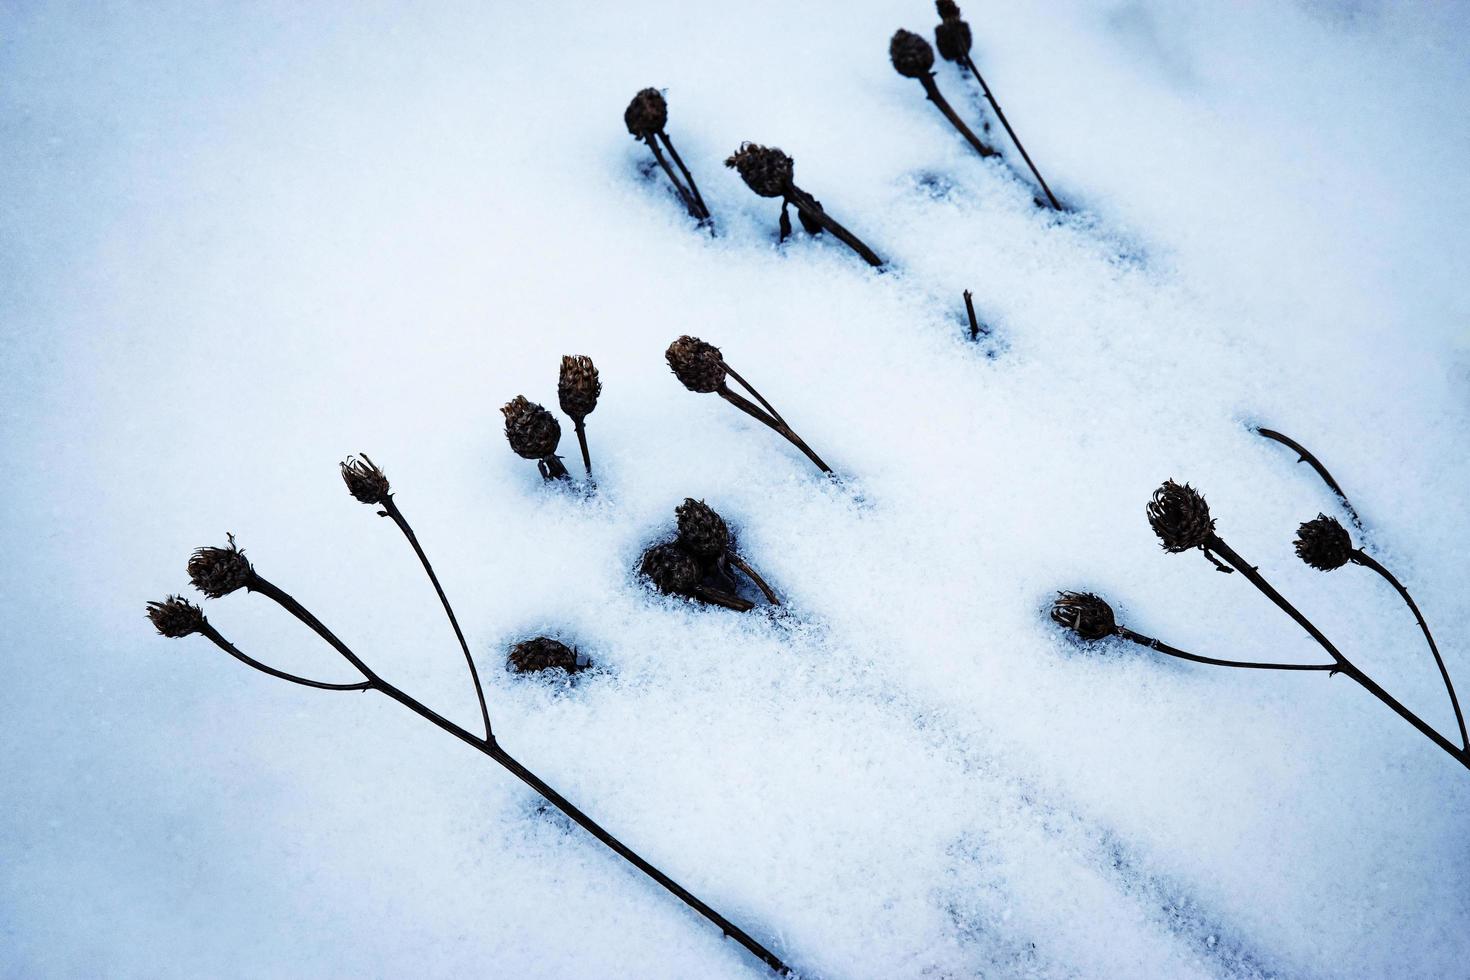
point(646, 117)
point(911, 55)
point(670, 568)
point(952, 35)
point(647, 114)
point(1323, 543)
point(702, 531)
point(175, 617)
point(219, 571)
point(1180, 517)
point(698, 365)
point(365, 481)
point(1085, 614)
point(542, 653)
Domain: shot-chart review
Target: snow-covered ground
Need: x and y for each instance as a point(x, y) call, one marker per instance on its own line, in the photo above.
point(239, 244)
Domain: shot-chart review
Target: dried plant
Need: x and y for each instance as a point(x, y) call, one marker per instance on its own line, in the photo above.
point(701, 368)
point(912, 57)
point(706, 536)
point(219, 572)
point(1181, 519)
point(534, 433)
point(769, 172)
point(542, 653)
point(674, 571)
point(952, 37)
point(646, 117)
point(577, 390)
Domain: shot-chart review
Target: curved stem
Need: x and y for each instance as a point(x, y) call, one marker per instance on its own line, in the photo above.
point(1217, 544)
point(812, 211)
point(722, 598)
point(228, 647)
point(1000, 114)
point(1306, 457)
point(931, 89)
point(755, 394)
point(391, 510)
point(1162, 647)
point(785, 430)
point(690, 206)
point(1367, 561)
point(491, 748)
point(581, 426)
point(751, 573)
point(687, 175)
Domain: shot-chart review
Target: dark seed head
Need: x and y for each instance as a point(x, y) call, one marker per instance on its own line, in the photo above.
point(948, 9)
point(670, 568)
point(1323, 543)
point(533, 432)
point(765, 169)
point(1180, 517)
point(219, 571)
point(702, 532)
point(952, 38)
point(579, 386)
point(698, 365)
point(364, 480)
point(647, 114)
point(542, 653)
point(911, 54)
point(175, 616)
point(1084, 614)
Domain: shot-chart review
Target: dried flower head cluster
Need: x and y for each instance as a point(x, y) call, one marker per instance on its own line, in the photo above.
point(1090, 617)
point(1323, 543)
point(1180, 517)
point(698, 366)
point(647, 114)
point(578, 387)
point(365, 481)
point(952, 35)
point(175, 616)
point(765, 169)
point(219, 571)
point(911, 55)
point(542, 653)
point(698, 562)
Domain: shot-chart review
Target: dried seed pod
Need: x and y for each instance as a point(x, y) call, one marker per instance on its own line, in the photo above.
point(698, 365)
point(670, 568)
point(1323, 543)
point(702, 532)
point(579, 386)
point(948, 9)
point(1180, 517)
point(952, 36)
point(175, 616)
point(364, 480)
point(765, 169)
point(542, 653)
point(1084, 614)
point(532, 431)
point(219, 571)
point(911, 55)
point(647, 114)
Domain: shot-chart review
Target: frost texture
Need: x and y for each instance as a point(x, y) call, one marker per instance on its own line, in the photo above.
point(237, 247)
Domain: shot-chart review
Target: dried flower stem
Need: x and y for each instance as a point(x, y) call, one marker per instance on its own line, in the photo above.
point(1361, 557)
point(1163, 647)
point(390, 509)
point(750, 573)
point(974, 320)
point(695, 210)
point(1216, 544)
point(698, 199)
point(813, 213)
point(720, 598)
point(580, 427)
point(1000, 114)
point(931, 89)
point(218, 639)
point(1306, 457)
point(489, 747)
point(552, 469)
point(745, 406)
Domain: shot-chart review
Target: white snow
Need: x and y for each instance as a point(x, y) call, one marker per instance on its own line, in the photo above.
point(238, 244)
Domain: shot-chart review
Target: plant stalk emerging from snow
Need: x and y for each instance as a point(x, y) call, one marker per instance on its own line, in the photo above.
point(1181, 519)
point(769, 172)
point(534, 433)
point(701, 368)
point(912, 57)
point(952, 37)
point(1305, 457)
point(221, 571)
point(646, 117)
point(577, 390)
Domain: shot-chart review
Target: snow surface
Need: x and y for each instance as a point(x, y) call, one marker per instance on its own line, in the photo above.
point(239, 244)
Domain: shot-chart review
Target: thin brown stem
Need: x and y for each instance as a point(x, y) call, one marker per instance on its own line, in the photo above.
point(931, 89)
point(581, 427)
point(720, 598)
point(812, 212)
point(974, 320)
point(1162, 647)
point(228, 647)
point(698, 199)
point(785, 430)
point(491, 748)
point(751, 573)
point(1308, 458)
point(694, 210)
point(1000, 114)
point(390, 509)
point(755, 394)
point(1217, 544)
point(1367, 561)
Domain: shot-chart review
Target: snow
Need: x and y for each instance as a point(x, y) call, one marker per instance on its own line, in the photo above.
point(239, 244)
